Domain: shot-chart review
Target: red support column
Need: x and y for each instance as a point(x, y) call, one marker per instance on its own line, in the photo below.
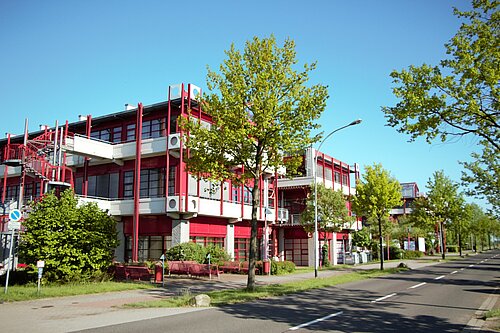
point(85, 185)
point(137, 183)
point(167, 158)
point(6, 170)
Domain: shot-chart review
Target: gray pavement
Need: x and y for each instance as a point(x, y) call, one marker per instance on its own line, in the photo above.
point(67, 314)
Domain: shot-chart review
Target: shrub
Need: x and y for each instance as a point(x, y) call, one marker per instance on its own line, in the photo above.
point(187, 252)
point(452, 248)
point(217, 255)
point(412, 254)
point(282, 267)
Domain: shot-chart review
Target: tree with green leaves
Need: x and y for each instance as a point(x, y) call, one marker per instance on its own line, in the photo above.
point(76, 242)
point(459, 97)
point(262, 109)
point(376, 194)
point(442, 207)
point(332, 212)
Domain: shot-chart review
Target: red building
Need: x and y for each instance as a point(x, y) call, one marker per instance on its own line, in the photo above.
point(142, 182)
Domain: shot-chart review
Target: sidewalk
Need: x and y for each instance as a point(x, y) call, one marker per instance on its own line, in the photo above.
point(66, 314)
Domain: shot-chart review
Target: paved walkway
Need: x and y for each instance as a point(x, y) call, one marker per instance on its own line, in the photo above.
point(67, 314)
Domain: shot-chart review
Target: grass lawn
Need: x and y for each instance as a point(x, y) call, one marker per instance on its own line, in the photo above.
point(29, 291)
point(232, 296)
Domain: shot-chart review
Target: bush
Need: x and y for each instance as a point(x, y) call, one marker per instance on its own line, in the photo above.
point(217, 255)
point(452, 248)
point(412, 254)
point(187, 252)
point(394, 252)
point(282, 267)
point(194, 252)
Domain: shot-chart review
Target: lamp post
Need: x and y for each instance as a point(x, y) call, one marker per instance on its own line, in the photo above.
point(315, 167)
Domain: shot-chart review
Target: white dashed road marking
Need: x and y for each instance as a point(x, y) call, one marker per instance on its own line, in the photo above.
point(385, 297)
point(315, 321)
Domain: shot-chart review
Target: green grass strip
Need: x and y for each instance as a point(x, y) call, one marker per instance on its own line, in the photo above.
point(223, 297)
point(29, 291)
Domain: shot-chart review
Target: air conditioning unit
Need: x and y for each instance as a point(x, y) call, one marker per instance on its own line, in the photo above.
point(175, 91)
point(176, 205)
point(283, 215)
point(173, 204)
point(194, 92)
point(174, 141)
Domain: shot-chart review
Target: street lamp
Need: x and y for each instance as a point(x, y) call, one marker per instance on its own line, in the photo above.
point(315, 167)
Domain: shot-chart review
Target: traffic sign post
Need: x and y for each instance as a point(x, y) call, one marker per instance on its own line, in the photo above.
point(40, 264)
point(14, 216)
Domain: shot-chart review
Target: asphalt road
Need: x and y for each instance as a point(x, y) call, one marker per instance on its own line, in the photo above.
point(439, 298)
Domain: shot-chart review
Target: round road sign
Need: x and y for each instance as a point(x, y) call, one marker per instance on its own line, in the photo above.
point(15, 215)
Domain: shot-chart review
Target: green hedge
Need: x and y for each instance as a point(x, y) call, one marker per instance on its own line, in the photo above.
point(412, 254)
point(195, 252)
point(282, 267)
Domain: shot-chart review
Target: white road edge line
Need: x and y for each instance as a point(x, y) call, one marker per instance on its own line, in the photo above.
point(454, 272)
point(439, 277)
point(471, 265)
point(315, 321)
point(417, 285)
point(385, 297)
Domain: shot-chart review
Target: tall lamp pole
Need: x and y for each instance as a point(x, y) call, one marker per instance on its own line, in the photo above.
point(315, 167)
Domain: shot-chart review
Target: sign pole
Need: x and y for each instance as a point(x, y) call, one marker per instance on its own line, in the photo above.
point(10, 262)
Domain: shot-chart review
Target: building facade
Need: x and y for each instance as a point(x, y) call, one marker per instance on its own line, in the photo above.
point(132, 163)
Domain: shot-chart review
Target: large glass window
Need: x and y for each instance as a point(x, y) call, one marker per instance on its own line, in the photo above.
point(171, 180)
point(241, 249)
point(130, 132)
point(206, 241)
point(152, 183)
point(150, 247)
point(296, 250)
point(344, 179)
point(153, 128)
point(337, 177)
point(102, 186)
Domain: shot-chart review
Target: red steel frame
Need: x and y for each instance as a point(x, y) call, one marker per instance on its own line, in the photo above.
point(137, 183)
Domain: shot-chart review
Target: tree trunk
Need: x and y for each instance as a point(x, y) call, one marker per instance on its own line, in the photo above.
point(253, 236)
point(459, 243)
point(381, 244)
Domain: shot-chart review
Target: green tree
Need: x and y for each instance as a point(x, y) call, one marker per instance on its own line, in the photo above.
point(332, 212)
point(459, 97)
point(76, 242)
point(376, 194)
point(443, 207)
point(361, 238)
point(261, 108)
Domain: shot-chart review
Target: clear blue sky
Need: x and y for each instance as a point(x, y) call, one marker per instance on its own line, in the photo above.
point(60, 59)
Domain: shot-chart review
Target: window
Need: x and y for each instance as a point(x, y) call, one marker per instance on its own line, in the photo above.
point(130, 132)
point(150, 247)
point(152, 183)
point(109, 134)
point(206, 241)
point(296, 251)
point(241, 249)
point(116, 135)
point(31, 191)
point(128, 184)
point(103, 134)
point(103, 186)
point(337, 177)
point(247, 195)
point(344, 179)
point(12, 193)
point(236, 194)
point(153, 128)
point(328, 173)
point(171, 180)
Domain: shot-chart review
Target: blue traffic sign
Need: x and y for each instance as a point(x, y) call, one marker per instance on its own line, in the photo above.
point(15, 215)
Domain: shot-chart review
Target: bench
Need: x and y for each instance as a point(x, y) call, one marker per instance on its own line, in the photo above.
point(230, 267)
point(179, 267)
point(191, 268)
point(140, 273)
